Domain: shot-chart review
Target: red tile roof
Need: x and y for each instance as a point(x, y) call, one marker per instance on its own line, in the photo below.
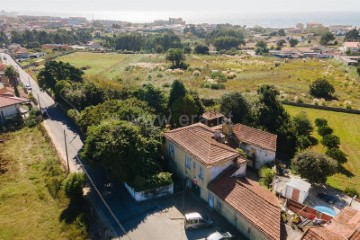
point(320, 233)
point(8, 101)
point(197, 139)
point(255, 137)
point(256, 204)
point(212, 115)
point(7, 92)
point(345, 225)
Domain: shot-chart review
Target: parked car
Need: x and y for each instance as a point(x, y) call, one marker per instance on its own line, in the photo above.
point(195, 220)
point(219, 236)
point(327, 197)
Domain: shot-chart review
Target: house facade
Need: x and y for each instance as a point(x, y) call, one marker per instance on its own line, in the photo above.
point(197, 158)
point(259, 146)
point(9, 107)
point(352, 47)
point(203, 158)
point(252, 209)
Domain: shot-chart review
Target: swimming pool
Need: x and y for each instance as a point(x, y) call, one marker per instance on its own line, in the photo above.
point(325, 210)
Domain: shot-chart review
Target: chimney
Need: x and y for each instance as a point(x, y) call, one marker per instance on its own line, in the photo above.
point(218, 136)
point(227, 127)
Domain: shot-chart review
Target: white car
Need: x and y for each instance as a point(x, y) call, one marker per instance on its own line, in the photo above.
point(195, 220)
point(219, 236)
point(28, 87)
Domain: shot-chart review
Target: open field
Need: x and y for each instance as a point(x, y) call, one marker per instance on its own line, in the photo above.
point(291, 78)
point(27, 209)
point(347, 127)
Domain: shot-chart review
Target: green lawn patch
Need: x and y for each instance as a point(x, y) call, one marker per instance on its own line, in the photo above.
point(347, 127)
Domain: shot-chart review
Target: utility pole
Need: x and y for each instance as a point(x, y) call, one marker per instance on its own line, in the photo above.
point(38, 97)
point(66, 151)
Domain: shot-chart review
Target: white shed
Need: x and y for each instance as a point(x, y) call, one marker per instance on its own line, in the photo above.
point(297, 190)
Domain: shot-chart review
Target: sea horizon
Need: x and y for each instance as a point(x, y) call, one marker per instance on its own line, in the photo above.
point(265, 19)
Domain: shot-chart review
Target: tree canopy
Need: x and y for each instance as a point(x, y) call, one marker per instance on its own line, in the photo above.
point(322, 88)
point(326, 38)
point(352, 35)
point(314, 167)
point(293, 42)
point(56, 71)
point(234, 105)
point(176, 57)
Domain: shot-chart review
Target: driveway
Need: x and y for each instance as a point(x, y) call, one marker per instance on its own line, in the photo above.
point(163, 218)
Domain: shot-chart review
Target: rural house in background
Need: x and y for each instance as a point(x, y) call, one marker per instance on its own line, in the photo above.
point(10, 107)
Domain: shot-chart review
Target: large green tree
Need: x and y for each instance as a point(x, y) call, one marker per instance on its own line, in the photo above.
point(272, 116)
point(123, 149)
point(176, 57)
point(234, 105)
point(11, 73)
point(56, 71)
point(352, 35)
point(177, 90)
point(314, 167)
point(326, 38)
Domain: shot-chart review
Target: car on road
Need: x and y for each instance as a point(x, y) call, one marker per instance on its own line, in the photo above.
point(44, 113)
point(195, 220)
point(219, 236)
point(28, 87)
point(327, 197)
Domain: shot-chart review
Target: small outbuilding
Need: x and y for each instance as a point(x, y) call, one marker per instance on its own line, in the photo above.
point(297, 190)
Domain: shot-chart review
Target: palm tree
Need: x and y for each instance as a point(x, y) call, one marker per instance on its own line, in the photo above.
point(12, 74)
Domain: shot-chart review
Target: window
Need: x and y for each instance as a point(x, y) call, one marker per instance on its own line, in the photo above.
point(201, 172)
point(171, 151)
point(194, 164)
point(188, 162)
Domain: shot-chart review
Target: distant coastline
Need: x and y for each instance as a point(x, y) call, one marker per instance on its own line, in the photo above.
point(271, 19)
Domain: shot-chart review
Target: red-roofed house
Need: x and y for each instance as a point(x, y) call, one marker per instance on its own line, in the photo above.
point(195, 155)
point(202, 156)
point(344, 226)
point(252, 209)
point(352, 47)
point(9, 107)
point(259, 145)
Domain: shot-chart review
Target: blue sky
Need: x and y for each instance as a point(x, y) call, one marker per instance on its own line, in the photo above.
point(222, 6)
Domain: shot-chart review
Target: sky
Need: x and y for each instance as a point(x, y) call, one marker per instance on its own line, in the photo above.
point(241, 6)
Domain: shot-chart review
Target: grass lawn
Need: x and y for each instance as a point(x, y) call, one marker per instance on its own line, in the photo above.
point(292, 78)
point(347, 127)
point(27, 209)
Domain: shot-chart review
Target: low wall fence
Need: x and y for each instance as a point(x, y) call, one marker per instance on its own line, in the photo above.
point(151, 193)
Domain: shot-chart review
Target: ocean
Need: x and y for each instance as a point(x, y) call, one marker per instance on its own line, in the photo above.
point(265, 19)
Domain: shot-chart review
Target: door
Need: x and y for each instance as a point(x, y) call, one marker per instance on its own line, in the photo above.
point(295, 194)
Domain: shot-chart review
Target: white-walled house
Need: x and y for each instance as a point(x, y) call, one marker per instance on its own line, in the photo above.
point(197, 157)
point(352, 47)
point(203, 158)
point(297, 190)
point(9, 107)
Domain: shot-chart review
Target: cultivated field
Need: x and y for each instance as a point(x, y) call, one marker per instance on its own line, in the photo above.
point(347, 127)
point(246, 73)
point(27, 210)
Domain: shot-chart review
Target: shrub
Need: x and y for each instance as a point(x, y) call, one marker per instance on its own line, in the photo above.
point(331, 141)
point(322, 88)
point(337, 155)
point(73, 186)
point(321, 122)
point(325, 130)
point(219, 76)
point(266, 176)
